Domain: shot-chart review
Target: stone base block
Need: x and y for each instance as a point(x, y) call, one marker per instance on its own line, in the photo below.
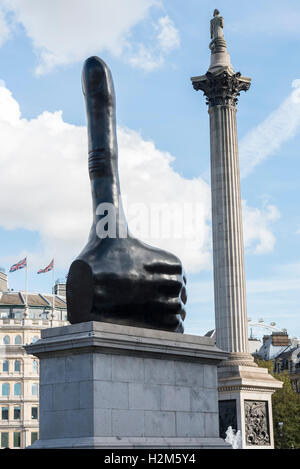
point(245, 404)
point(131, 443)
point(111, 386)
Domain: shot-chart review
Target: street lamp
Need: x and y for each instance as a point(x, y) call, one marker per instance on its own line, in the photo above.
point(281, 433)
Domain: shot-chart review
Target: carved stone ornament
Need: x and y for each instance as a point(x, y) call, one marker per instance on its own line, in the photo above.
point(223, 88)
point(257, 430)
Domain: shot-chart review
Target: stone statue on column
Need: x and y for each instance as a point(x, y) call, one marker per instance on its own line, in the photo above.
point(216, 28)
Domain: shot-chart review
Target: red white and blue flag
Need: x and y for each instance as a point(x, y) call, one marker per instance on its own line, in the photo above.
point(47, 269)
point(19, 265)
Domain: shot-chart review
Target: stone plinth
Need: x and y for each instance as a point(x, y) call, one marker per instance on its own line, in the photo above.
point(111, 386)
point(245, 404)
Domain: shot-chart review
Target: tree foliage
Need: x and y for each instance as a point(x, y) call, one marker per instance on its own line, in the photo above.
point(286, 409)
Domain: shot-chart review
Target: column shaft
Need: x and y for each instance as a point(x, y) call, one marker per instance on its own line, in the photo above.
point(228, 248)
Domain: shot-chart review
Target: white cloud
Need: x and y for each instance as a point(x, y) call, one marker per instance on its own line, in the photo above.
point(43, 169)
point(202, 291)
point(43, 172)
point(5, 31)
point(42, 163)
point(258, 237)
point(273, 285)
point(168, 36)
point(264, 140)
point(145, 58)
point(153, 56)
point(178, 212)
point(280, 291)
point(68, 31)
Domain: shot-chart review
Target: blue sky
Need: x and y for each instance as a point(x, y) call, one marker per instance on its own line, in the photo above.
point(153, 47)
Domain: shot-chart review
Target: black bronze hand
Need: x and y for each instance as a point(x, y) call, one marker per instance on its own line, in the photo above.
point(118, 279)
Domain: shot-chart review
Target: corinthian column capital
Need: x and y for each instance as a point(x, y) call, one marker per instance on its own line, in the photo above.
point(222, 88)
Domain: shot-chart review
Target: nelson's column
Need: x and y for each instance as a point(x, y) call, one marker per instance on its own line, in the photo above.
point(244, 389)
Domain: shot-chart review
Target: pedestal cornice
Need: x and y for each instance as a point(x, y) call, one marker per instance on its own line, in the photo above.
point(112, 338)
point(246, 378)
point(222, 88)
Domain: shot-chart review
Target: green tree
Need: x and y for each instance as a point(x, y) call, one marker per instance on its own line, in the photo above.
point(286, 409)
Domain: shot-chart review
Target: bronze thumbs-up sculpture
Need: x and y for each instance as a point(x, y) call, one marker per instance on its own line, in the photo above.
point(117, 278)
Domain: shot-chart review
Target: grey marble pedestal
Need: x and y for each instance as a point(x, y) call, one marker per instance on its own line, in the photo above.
point(111, 386)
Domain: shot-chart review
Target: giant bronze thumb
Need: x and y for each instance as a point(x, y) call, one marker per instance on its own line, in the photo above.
point(118, 279)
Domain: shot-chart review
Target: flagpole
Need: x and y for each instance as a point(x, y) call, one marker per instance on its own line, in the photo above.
point(53, 292)
point(26, 287)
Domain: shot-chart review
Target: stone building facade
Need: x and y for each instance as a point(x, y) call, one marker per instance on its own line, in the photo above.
point(284, 352)
point(19, 372)
point(290, 361)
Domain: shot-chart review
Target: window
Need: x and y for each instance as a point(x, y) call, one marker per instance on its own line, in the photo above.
point(17, 313)
point(35, 339)
point(17, 366)
point(34, 437)
point(6, 340)
point(56, 314)
point(34, 313)
point(34, 389)
point(17, 439)
point(5, 366)
point(4, 439)
point(4, 313)
point(34, 413)
point(44, 315)
point(18, 340)
point(5, 389)
point(37, 313)
point(17, 389)
point(4, 413)
point(35, 366)
point(17, 413)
